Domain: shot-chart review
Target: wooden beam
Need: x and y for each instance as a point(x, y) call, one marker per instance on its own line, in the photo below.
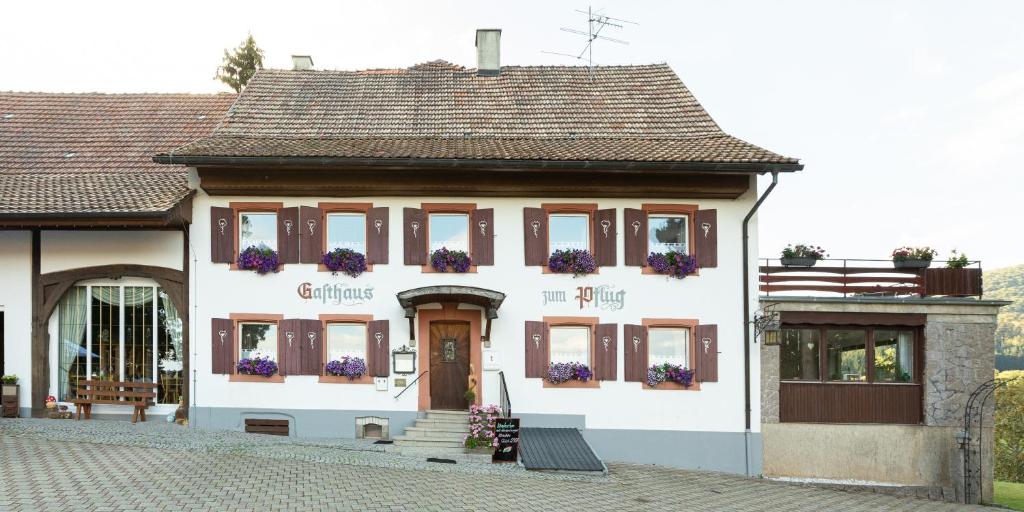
point(40, 347)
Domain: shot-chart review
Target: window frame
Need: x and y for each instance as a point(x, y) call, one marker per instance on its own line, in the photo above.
point(689, 343)
point(673, 323)
point(328, 208)
point(588, 209)
point(237, 319)
point(237, 209)
point(325, 321)
point(590, 322)
point(656, 209)
point(869, 365)
point(449, 208)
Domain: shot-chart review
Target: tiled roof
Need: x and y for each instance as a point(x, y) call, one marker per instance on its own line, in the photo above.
point(439, 110)
point(92, 153)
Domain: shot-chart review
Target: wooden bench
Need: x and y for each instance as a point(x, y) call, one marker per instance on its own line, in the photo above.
point(139, 395)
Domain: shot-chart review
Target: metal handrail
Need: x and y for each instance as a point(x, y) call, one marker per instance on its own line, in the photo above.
point(506, 403)
point(414, 381)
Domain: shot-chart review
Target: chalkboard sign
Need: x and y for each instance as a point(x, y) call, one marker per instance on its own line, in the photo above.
point(507, 432)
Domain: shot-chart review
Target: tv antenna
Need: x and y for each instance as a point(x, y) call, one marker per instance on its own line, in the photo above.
point(596, 23)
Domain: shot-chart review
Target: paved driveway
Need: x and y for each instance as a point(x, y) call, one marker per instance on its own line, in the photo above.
point(108, 465)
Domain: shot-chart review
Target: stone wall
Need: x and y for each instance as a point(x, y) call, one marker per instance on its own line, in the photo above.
point(769, 384)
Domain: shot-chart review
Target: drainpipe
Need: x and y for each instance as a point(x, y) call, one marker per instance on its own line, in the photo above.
point(746, 318)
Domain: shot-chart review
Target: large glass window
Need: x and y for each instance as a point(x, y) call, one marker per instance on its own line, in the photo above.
point(847, 354)
point(798, 354)
point(257, 339)
point(570, 344)
point(346, 231)
point(894, 356)
point(119, 332)
point(668, 233)
point(568, 231)
point(257, 229)
point(668, 345)
point(346, 340)
point(449, 230)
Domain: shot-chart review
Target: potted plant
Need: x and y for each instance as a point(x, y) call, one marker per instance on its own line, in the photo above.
point(10, 385)
point(913, 257)
point(668, 372)
point(481, 428)
point(346, 261)
point(564, 372)
point(260, 365)
point(351, 367)
point(260, 259)
point(672, 264)
point(577, 262)
point(444, 260)
point(957, 260)
point(801, 255)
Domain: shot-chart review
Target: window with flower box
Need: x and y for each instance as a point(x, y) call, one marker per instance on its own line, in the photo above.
point(571, 351)
point(670, 353)
point(249, 347)
point(356, 349)
point(448, 237)
point(577, 230)
point(682, 231)
point(346, 230)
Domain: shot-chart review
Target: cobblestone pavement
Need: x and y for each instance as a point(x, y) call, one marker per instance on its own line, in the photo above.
point(112, 465)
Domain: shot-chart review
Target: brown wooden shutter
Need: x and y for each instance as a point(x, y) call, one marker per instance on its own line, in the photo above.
point(311, 234)
point(536, 349)
point(377, 235)
point(707, 353)
point(414, 235)
point(312, 347)
point(289, 346)
point(378, 349)
point(606, 352)
point(634, 346)
point(706, 223)
point(604, 232)
point(223, 338)
point(481, 224)
point(635, 237)
point(288, 234)
point(222, 235)
point(535, 236)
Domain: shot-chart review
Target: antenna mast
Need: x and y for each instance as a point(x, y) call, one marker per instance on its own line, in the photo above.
point(596, 23)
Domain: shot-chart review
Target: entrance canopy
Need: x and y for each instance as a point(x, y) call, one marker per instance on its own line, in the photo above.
point(489, 300)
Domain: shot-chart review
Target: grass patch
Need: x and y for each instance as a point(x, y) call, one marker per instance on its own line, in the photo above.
point(1010, 494)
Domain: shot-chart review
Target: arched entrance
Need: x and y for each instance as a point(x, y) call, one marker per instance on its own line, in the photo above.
point(52, 287)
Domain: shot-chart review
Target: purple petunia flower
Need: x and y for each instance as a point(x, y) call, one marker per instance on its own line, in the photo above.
point(444, 259)
point(346, 261)
point(577, 262)
point(262, 259)
point(668, 372)
point(263, 366)
point(564, 372)
point(351, 367)
point(672, 263)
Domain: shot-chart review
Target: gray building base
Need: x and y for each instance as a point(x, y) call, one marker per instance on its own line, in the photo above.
point(705, 451)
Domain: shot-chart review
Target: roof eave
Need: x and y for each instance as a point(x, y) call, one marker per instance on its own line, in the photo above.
point(177, 217)
point(489, 164)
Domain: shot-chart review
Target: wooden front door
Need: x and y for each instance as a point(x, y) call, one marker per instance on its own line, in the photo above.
point(449, 364)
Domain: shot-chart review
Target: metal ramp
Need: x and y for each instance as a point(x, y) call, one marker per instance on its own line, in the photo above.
point(557, 449)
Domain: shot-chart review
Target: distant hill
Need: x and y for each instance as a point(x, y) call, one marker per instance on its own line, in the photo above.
point(1008, 284)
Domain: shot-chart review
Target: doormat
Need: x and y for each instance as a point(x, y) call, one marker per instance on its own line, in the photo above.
point(383, 441)
point(442, 461)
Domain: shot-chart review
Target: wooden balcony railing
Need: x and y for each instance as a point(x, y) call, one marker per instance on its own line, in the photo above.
point(851, 277)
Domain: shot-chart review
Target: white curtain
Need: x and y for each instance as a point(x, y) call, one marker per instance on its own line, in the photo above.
point(71, 313)
point(905, 354)
point(172, 324)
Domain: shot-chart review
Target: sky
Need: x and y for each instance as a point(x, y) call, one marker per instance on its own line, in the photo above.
point(908, 115)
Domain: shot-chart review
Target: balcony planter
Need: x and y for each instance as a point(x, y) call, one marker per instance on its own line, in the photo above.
point(798, 262)
point(912, 264)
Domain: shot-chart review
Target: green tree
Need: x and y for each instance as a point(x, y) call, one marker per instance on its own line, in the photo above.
point(241, 64)
point(1009, 428)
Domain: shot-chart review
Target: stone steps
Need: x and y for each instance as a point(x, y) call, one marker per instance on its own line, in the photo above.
point(438, 434)
point(427, 433)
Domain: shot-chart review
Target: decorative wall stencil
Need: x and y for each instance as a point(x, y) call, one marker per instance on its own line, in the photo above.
point(483, 227)
point(222, 334)
point(378, 224)
point(706, 226)
point(636, 228)
point(536, 228)
point(312, 226)
point(707, 344)
point(312, 337)
point(336, 293)
point(448, 350)
point(415, 228)
point(291, 336)
point(605, 340)
point(636, 343)
point(536, 340)
point(288, 227)
point(605, 224)
point(379, 337)
point(605, 297)
point(223, 223)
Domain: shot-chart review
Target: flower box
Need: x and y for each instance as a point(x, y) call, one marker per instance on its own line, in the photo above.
point(564, 372)
point(260, 259)
point(672, 264)
point(668, 372)
point(798, 262)
point(257, 366)
point(577, 262)
point(913, 264)
point(913, 257)
point(346, 261)
point(350, 367)
point(801, 255)
point(445, 260)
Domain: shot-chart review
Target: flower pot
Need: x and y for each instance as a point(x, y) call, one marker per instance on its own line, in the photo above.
point(51, 405)
point(799, 262)
point(917, 264)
